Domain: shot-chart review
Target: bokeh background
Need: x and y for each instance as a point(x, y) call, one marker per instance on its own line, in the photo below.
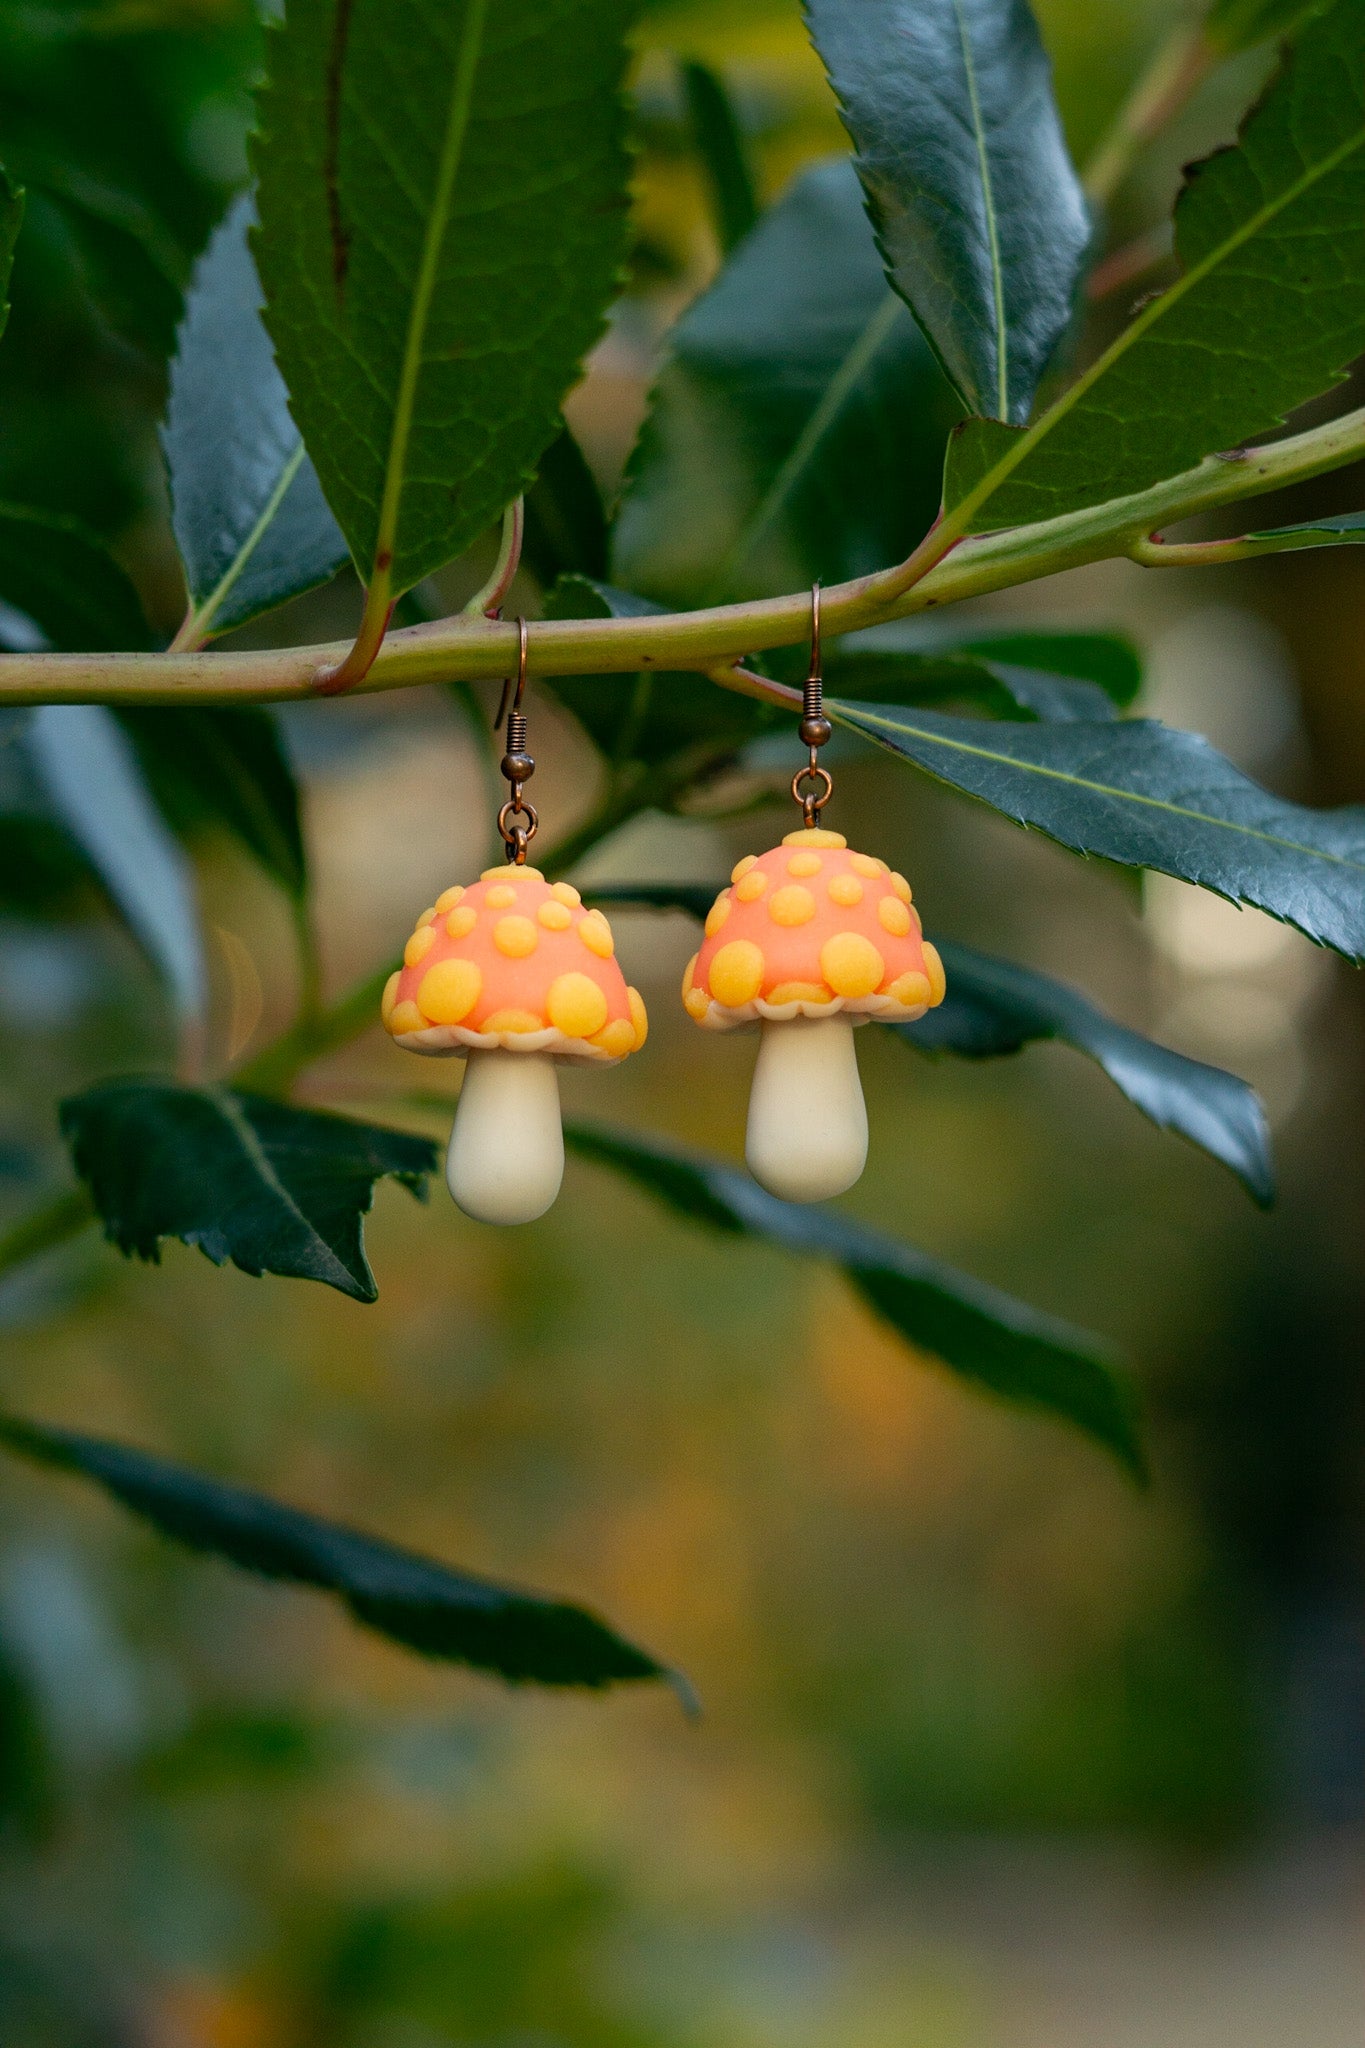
point(997, 1751)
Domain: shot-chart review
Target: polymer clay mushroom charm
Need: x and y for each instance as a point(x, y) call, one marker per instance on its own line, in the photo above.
point(809, 941)
point(514, 974)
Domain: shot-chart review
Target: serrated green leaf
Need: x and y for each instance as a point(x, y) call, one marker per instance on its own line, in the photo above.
point(720, 144)
point(797, 430)
point(251, 523)
point(443, 189)
point(1268, 313)
point(416, 1601)
point(995, 1007)
point(980, 217)
point(988, 1338)
point(662, 713)
point(226, 767)
point(1139, 793)
point(62, 576)
point(274, 1188)
point(1233, 25)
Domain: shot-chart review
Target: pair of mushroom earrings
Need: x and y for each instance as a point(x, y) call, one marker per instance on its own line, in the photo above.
point(515, 975)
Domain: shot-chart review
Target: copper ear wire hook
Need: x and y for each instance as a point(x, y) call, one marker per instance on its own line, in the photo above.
point(517, 820)
point(520, 677)
point(815, 729)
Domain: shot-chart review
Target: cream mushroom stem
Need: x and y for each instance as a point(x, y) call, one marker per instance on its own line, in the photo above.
point(506, 1156)
point(807, 1134)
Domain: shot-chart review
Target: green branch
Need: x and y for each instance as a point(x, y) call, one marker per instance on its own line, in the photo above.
point(942, 571)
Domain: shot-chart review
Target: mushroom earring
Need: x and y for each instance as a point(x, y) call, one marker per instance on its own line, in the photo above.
point(513, 974)
point(809, 941)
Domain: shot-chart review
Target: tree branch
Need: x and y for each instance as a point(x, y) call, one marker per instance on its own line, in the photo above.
point(938, 573)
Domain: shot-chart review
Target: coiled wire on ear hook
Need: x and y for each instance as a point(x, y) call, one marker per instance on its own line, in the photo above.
point(813, 786)
point(517, 820)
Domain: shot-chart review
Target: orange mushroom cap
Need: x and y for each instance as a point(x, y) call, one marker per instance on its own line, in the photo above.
point(808, 930)
point(514, 962)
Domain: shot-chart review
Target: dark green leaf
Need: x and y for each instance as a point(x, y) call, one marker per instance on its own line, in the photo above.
point(797, 429)
point(96, 785)
point(979, 215)
point(273, 1188)
point(1141, 794)
point(720, 145)
point(1109, 659)
point(896, 665)
point(413, 1600)
point(63, 578)
point(224, 767)
point(566, 523)
point(443, 188)
point(250, 519)
point(994, 1007)
point(987, 1337)
point(661, 713)
point(11, 220)
point(1269, 310)
point(1233, 25)
point(1339, 529)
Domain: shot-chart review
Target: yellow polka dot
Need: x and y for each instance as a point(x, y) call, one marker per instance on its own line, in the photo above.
point(616, 1038)
point(804, 864)
point(737, 973)
point(716, 915)
point(851, 964)
point(516, 1023)
point(419, 945)
point(501, 898)
point(510, 872)
point(933, 967)
point(576, 1005)
point(696, 1003)
point(595, 933)
point(390, 996)
point(428, 916)
point(894, 916)
point(900, 885)
point(799, 992)
point(556, 917)
point(449, 991)
point(814, 835)
point(688, 973)
point(742, 867)
point(447, 900)
point(864, 864)
point(462, 921)
point(751, 886)
point(565, 892)
point(912, 989)
point(639, 1016)
point(516, 937)
point(792, 905)
point(406, 1017)
point(845, 890)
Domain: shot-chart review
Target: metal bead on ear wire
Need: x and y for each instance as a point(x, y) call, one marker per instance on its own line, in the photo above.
point(513, 974)
point(809, 941)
